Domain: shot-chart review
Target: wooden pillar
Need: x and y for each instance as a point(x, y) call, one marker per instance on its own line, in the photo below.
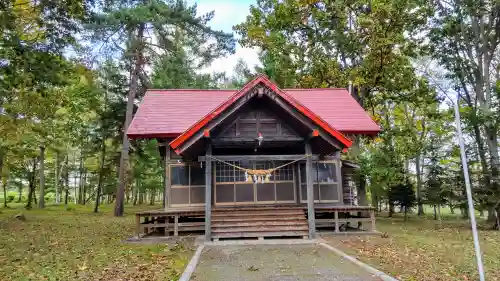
point(166, 192)
point(310, 193)
point(138, 224)
point(208, 192)
point(176, 225)
point(337, 225)
point(372, 218)
point(338, 168)
point(166, 231)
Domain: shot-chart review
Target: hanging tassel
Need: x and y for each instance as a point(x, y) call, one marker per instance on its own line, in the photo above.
point(268, 177)
point(249, 178)
point(255, 178)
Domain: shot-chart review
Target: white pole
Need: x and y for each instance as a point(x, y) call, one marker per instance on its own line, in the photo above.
point(472, 213)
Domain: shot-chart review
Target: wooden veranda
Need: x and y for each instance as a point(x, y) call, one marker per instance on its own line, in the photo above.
point(185, 221)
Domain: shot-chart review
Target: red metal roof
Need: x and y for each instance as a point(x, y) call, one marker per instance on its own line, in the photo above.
point(170, 113)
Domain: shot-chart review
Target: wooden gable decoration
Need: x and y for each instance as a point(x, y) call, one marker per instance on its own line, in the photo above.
point(253, 122)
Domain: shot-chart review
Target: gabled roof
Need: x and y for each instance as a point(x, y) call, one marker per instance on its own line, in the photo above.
point(261, 79)
point(176, 113)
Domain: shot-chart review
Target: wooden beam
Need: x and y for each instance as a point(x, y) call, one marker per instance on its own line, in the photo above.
point(208, 192)
point(338, 171)
point(337, 226)
point(310, 193)
point(304, 120)
point(176, 225)
point(372, 219)
point(213, 123)
point(138, 226)
point(286, 139)
point(166, 192)
point(291, 157)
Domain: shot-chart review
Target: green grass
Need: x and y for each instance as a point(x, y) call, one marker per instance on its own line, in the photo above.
point(421, 249)
point(55, 244)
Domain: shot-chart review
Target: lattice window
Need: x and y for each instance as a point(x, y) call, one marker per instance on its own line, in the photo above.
point(224, 172)
point(284, 173)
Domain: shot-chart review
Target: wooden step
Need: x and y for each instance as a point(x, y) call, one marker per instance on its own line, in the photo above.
point(259, 213)
point(260, 229)
point(258, 218)
point(260, 234)
point(260, 223)
point(255, 208)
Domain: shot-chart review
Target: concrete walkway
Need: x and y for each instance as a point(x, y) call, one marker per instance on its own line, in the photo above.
point(275, 263)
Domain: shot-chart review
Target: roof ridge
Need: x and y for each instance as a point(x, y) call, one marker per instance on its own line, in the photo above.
point(193, 90)
point(313, 89)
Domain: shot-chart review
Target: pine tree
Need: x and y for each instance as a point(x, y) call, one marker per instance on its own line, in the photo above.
point(131, 27)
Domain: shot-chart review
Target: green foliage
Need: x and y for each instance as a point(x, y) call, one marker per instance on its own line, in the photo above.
point(403, 195)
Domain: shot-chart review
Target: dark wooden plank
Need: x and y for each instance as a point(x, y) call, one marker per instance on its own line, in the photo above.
point(338, 168)
point(258, 213)
point(166, 194)
point(310, 192)
point(304, 120)
point(258, 218)
point(260, 229)
point(208, 191)
point(260, 234)
point(296, 222)
point(259, 157)
point(217, 120)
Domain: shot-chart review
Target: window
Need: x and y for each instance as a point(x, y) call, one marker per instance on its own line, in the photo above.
point(325, 182)
point(231, 185)
point(187, 184)
point(283, 173)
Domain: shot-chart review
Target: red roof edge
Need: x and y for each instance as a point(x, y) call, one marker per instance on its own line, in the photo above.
point(155, 135)
point(259, 79)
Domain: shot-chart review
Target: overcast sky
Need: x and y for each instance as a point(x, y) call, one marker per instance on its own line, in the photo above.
point(227, 14)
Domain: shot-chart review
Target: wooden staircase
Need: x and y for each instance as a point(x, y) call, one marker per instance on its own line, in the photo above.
point(259, 222)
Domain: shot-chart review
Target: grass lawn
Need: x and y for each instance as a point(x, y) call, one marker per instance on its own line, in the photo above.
point(55, 244)
point(420, 249)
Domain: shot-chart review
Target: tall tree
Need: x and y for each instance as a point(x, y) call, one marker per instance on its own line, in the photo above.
point(137, 22)
point(464, 39)
point(327, 43)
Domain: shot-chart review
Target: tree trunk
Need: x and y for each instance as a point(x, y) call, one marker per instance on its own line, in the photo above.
point(31, 184)
point(439, 215)
point(452, 209)
point(134, 192)
point(391, 209)
point(101, 174)
point(56, 180)
point(20, 190)
point(497, 223)
point(80, 176)
point(435, 212)
point(66, 181)
point(491, 215)
point(4, 186)
point(84, 186)
point(152, 199)
point(75, 185)
point(406, 213)
point(134, 76)
point(41, 201)
point(420, 211)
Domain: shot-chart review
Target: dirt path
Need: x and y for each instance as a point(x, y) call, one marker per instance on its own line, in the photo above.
point(275, 263)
